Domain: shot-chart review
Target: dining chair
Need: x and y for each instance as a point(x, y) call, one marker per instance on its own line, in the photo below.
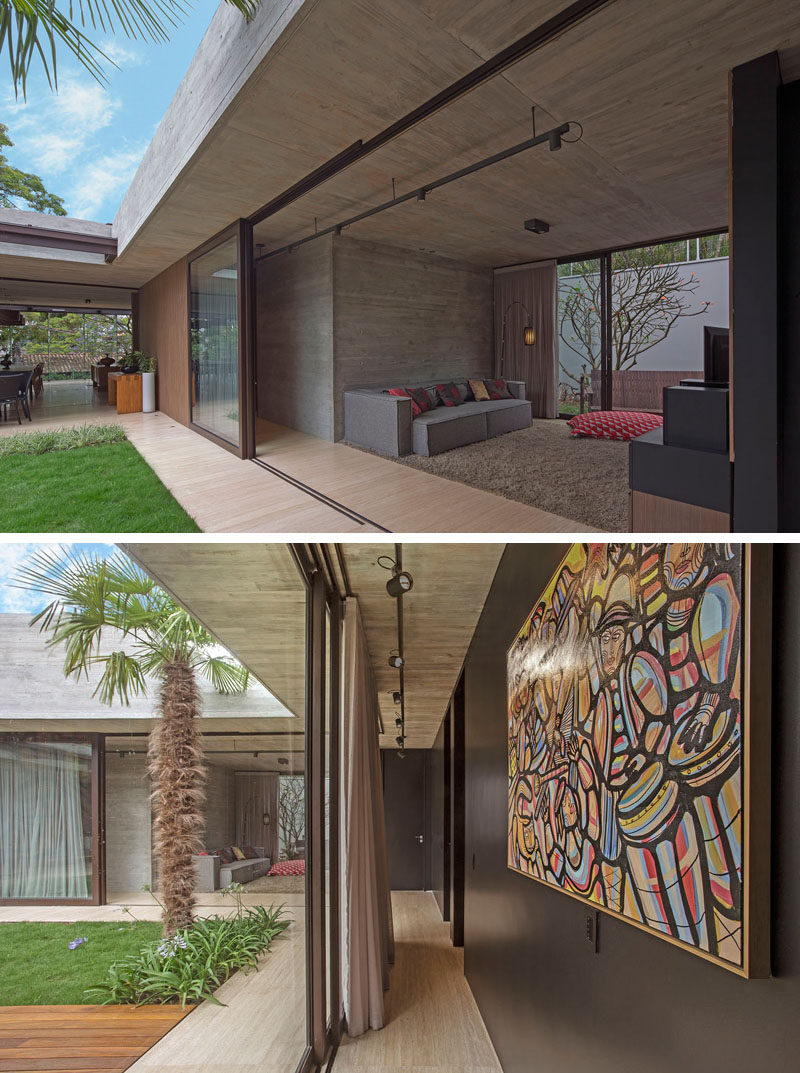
point(14, 391)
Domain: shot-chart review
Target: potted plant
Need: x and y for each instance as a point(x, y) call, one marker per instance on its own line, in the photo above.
point(148, 364)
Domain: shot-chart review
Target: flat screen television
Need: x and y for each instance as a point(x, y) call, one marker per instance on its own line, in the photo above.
point(716, 355)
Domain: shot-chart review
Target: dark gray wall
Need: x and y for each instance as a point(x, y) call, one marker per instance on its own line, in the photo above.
point(438, 823)
point(550, 1003)
point(294, 339)
point(406, 317)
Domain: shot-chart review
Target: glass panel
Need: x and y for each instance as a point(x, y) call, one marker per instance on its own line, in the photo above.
point(579, 337)
point(662, 296)
point(214, 318)
point(45, 820)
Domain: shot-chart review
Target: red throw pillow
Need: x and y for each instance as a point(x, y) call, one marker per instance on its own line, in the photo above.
point(498, 389)
point(250, 853)
point(449, 394)
point(225, 855)
point(614, 424)
point(403, 394)
point(422, 397)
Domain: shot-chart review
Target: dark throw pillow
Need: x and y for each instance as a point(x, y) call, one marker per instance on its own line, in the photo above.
point(498, 389)
point(449, 394)
point(403, 394)
point(423, 398)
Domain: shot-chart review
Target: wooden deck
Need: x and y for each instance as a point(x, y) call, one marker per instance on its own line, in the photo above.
point(77, 1039)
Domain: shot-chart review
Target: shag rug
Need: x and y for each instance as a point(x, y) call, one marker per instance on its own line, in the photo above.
point(276, 885)
point(584, 480)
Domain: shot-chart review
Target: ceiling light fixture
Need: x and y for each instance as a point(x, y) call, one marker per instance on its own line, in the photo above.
point(538, 227)
point(396, 661)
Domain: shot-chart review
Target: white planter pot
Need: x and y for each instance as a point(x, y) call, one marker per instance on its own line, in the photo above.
point(148, 392)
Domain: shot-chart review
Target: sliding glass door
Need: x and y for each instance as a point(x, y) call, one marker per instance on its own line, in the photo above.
point(51, 841)
point(220, 338)
point(631, 322)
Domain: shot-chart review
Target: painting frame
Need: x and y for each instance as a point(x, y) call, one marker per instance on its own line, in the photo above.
point(755, 660)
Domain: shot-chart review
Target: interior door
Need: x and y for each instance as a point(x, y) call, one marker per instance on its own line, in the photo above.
point(405, 806)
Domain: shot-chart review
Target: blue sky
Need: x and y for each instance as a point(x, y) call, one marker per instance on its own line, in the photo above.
point(15, 556)
point(87, 140)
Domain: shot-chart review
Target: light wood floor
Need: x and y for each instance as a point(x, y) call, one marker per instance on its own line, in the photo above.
point(261, 1026)
point(433, 1024)
point(226, 495)
point(74, 1039)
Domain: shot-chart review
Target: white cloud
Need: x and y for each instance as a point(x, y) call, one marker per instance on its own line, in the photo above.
point(102, 177)
point(15, 601)
point(57, 128)
point(121, 56)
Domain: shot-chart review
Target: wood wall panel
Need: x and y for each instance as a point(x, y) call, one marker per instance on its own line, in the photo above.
point(294, 339)
point(164, 331)
point(405, 316)
point(655, 514)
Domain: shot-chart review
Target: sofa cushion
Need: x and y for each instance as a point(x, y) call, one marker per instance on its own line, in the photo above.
point(498, 389)
point(449, 394)
point(447, 428)
point(238, 853)
point(479, 391)
point(465, 391)
point(506, 415)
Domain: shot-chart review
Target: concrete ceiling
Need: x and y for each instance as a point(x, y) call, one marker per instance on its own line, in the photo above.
point(264, 104)
point(251, 598)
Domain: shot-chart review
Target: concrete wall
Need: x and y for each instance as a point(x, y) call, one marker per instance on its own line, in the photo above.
point(294, 339)
point(128, 824)
point(404, 316)
point(220, 807)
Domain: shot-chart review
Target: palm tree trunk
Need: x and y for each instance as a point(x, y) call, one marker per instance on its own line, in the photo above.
point(178, 775)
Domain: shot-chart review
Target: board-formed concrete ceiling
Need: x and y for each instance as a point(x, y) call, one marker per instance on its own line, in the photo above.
point(251, 598)
point(262, 105)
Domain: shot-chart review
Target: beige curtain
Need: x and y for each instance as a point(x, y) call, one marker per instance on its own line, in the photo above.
point(536, 287)
point(367, 934)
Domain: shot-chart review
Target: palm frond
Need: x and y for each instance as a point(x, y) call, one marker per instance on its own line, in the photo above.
point(34, 28)
point(226, 675)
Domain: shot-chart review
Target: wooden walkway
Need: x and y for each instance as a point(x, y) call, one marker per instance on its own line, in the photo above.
point(78, 1039)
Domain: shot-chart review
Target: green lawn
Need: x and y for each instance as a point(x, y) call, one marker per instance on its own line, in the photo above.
point(105, 488)
point(37, 967)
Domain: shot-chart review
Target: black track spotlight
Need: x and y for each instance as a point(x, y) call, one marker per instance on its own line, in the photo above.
point(399, 583)
point(554, 140)
point(396, 661)
point(399, 740)
point(397, 696)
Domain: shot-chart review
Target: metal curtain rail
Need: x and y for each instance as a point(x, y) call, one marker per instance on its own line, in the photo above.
point(421, 192)
point(542, 35)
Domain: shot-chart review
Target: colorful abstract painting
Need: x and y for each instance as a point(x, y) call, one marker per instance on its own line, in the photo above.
point(625, 738)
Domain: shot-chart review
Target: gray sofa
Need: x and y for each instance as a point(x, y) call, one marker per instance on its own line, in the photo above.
point(212, 874)
point(383, 422)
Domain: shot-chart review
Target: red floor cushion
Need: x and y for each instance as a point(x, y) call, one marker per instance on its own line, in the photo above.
point(288, 868)
point(614, 424)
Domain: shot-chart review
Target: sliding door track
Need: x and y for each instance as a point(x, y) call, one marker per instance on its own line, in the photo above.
point(334, 504)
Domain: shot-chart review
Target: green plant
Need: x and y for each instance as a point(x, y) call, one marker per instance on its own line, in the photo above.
point(154, 637)
point(31, 29)
point(148, 363)
point(195, 961)
point(60, 439)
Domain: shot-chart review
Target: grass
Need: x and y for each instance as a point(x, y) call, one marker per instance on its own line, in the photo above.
point(83, 480)
point(60, 439)
point(37, 968)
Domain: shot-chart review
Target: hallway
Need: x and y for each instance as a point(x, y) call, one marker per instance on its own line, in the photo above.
point(433, 1024)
